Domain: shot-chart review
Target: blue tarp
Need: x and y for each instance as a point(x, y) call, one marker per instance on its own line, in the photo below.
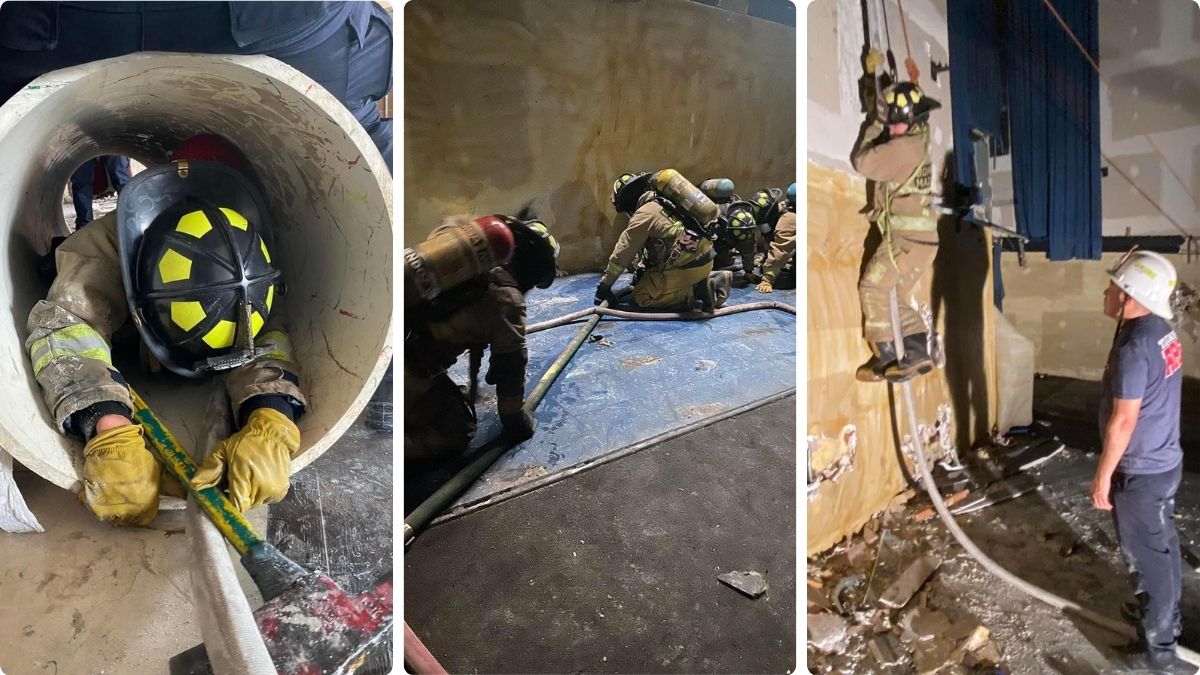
point(640, 380)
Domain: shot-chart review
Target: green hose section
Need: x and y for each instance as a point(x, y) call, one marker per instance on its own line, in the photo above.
point(489, 453)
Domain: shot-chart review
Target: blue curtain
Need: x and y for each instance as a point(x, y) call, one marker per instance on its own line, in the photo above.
point(1054, 104)
point(977, 84)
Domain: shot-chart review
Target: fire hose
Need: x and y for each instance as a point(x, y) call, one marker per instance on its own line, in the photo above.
point(1038, 593)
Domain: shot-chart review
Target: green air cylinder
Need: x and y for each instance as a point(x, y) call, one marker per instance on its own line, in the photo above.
point(672, 186)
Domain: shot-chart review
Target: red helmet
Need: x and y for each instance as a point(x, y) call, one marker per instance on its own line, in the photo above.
point(212, 148)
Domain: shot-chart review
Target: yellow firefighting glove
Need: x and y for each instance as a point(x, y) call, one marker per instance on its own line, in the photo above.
point(873, 60)
point(256, 461)
point(765, 286)
point(120, 477)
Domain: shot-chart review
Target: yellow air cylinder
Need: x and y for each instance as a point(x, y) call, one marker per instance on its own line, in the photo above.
point(671, 185)
point(452, 255)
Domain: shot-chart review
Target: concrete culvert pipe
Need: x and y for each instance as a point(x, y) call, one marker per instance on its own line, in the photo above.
point(327, 186)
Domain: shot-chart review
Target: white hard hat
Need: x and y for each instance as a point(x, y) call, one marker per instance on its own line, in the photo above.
point(1147, 277)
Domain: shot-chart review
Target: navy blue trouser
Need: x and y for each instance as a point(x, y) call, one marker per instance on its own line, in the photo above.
point(356, 74)
point(117, 169)
point(1144, 514)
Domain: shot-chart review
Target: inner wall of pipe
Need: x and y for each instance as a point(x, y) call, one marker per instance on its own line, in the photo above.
point(327, 186)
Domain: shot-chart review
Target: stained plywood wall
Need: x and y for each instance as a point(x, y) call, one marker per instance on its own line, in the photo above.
point(958, 291)
point(1060, 307)
point(509, 102)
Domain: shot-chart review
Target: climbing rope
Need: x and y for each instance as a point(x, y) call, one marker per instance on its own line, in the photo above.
point(910, 65)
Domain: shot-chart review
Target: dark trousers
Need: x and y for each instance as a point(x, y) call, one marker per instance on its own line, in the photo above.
point(1144, 514)
point(74, 33)
point(116, 169)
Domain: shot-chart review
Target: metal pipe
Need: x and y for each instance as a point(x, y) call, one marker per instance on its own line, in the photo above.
point(489, 453)
point(658, 316)
point(1062, 604)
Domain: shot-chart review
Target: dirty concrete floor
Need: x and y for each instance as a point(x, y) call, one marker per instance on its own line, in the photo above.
point(1052, 538)
point(88, 598)
point(615, 569)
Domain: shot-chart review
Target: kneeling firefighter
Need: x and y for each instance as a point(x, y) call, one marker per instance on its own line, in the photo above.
point(894, 153)
point(187, 255)
point(672, 224)
point(736, 228)
point(781, 254)
point(470, 278)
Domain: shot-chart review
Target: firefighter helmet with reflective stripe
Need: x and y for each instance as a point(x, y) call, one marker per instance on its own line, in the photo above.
point(741, 221)
point(905, 103)
point(628, 189)
point(197, 265)
point(535, 256)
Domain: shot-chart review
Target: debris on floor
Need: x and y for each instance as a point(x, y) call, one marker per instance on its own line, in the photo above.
point(913, 601)
point(751, 583)
point(902, 590)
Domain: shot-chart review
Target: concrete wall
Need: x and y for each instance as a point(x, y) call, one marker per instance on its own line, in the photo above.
point(518, 101)
point(839, 238)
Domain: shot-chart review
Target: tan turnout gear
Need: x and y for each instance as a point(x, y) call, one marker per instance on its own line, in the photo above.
point(902, 211)
point(439, 417)
point(70, 333)
point(782, 247)
point(675, 259)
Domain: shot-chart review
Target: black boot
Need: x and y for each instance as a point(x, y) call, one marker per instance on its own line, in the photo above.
point(916, 360)
point(883, 354)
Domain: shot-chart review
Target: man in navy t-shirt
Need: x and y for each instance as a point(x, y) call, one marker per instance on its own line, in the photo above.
point(1142, 461)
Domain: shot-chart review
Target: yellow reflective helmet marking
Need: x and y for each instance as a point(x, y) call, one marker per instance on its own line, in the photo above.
point(902, 100)
point(256, 323)
point(235, 219)
point(195, 224)
point(270, 296)
point(915, 95)
point(174, 266)
point(187, 314)
point(263, 245)
point(891, 97)
point(221, 335)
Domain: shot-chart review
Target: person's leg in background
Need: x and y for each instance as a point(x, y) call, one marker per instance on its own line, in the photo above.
point(357, 70)
point(118, 171)
point(81, 192)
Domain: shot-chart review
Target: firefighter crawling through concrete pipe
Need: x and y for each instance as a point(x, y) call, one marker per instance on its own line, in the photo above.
point(464, 292)
point(894, 152)
point(187, 255)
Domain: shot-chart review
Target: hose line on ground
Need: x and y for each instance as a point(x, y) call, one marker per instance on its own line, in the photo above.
point(1062, 604)
point(657, 316)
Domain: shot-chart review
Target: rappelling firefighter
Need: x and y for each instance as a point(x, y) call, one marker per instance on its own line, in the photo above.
point(779, 265)
point(188, 255)
point(672, 223)
point(470, 279)
point(894, 152)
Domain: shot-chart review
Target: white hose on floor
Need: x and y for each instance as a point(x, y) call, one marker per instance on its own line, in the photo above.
point(226, 620)
point(1062, 604)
